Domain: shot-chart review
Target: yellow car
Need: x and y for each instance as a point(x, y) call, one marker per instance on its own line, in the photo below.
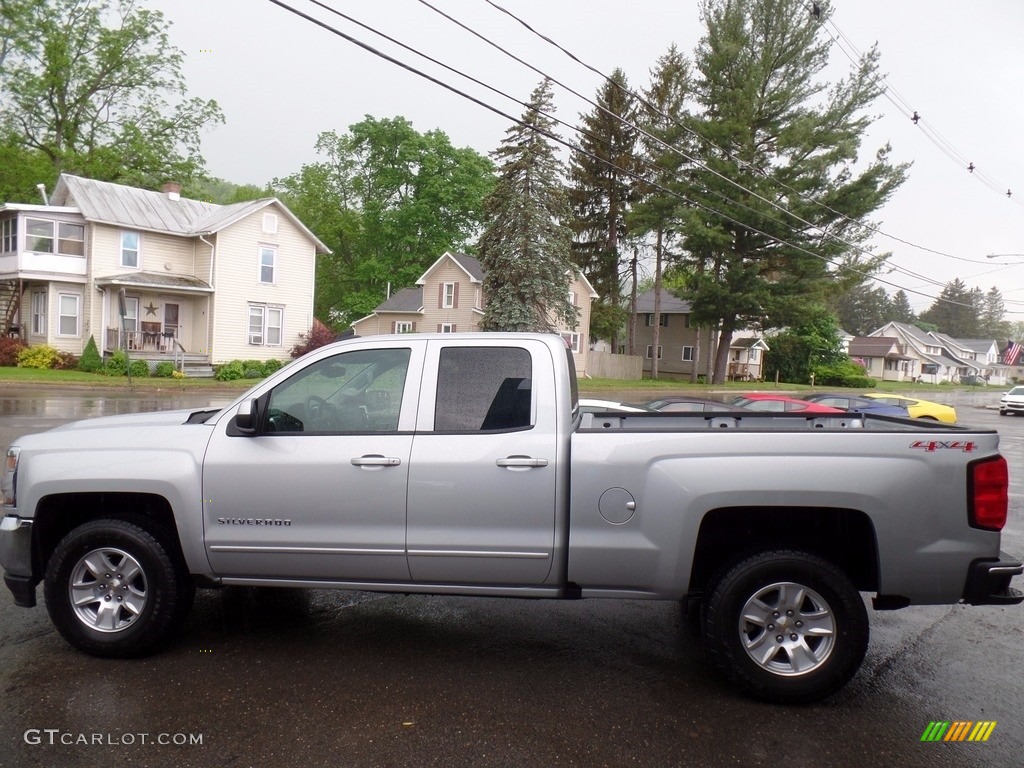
point(917, 408)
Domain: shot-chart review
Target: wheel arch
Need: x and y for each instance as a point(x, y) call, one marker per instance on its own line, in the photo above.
point(59, 514)
point(845, 537)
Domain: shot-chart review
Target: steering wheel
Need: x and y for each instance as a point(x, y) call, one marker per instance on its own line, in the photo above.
point(320, 413)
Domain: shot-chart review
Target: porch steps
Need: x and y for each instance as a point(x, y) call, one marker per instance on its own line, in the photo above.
point(9, 304)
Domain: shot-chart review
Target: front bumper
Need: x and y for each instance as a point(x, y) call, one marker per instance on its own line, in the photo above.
point(988, 582)
point(16, 559)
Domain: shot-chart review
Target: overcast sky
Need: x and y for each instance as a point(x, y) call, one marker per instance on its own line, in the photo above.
point(281, 80)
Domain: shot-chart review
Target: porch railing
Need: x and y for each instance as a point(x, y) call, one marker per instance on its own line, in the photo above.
point(141, 341)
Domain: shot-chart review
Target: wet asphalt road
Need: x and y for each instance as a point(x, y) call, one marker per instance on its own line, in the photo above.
point(319, 678)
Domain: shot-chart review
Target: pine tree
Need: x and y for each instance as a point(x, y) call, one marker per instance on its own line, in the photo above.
point(901, 310)
point(666, 146)
point(956, 312)
point(770, 125)
point(526, 246)
point(601, 172)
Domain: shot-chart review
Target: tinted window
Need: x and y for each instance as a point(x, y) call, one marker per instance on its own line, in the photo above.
point(358, 391)
point(483, 389)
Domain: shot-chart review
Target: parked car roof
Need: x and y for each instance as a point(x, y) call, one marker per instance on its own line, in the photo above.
point(688, 404)
point(848, 402)
point(769, 401)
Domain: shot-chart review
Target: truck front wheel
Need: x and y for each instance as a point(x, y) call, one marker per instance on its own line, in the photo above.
point(785, 626)
point(113, 589)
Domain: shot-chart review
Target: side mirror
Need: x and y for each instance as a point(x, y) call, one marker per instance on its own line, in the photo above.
point(247, 417)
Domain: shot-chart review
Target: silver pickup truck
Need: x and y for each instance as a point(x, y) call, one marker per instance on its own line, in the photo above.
point(460, 464)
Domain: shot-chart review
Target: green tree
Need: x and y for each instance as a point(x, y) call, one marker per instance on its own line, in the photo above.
point(387, 201)
point(96, 88)
point(526, 247)
point(770, 124)
point(901, 311)
point(797, 351)
point(863, 309)
point(992, 323)
point(665, 146)
point(601, 175)
point(956, 312)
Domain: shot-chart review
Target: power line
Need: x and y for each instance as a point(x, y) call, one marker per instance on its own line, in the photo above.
point(574, 147)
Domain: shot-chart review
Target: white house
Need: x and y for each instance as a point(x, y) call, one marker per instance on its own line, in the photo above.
point(208, 282)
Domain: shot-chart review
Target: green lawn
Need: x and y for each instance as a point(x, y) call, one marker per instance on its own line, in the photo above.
point(16, 376)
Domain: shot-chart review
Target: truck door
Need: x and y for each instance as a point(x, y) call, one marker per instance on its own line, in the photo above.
point(319, 491)
point(482, 480)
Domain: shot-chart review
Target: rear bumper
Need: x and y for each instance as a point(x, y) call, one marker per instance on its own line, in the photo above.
point(988, 582)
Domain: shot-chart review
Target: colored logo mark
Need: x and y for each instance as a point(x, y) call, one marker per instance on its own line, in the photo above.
point(958, 730)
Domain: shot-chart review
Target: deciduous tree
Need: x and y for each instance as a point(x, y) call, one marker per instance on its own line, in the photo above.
point(96, 88)
point(388, 201)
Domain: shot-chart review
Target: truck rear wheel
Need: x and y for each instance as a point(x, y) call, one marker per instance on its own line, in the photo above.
point(113, 589)
point(785, 626)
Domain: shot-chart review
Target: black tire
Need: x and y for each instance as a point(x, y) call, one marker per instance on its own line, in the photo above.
point(807, 654)
point(131, 593)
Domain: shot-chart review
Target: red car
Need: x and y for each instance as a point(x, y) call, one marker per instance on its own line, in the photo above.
point(768, 401)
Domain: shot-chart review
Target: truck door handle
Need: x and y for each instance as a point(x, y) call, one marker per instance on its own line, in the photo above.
point(375, 460)
point(521, 461)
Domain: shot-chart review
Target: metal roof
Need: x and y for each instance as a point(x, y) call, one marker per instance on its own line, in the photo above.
point(157, 280)
point(108, 203)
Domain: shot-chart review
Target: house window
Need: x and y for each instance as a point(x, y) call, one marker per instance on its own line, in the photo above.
point(268, 264)
point(649, 351)
point(449, 295)
point(39, 234)
point(572, 298)
point(70, 239)
point(265, 325)
point(572, 340)
point(662, 320)
point(752, 355)
point(68, 314)
point(9, 235)
point(130, 250)
point(269, 223)
point(403, 326)
point(446, 327)
point(687, 354)
point(39, 313)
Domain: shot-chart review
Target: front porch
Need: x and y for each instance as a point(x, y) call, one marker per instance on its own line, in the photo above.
point(151, 338)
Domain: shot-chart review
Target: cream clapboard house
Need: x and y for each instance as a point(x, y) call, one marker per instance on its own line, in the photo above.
point(203, 282)
point(449, 298)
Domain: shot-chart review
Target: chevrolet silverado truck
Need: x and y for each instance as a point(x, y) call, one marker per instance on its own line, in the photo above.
point(461, 464)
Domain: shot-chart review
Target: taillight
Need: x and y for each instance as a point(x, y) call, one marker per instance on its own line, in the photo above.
point(988, 493)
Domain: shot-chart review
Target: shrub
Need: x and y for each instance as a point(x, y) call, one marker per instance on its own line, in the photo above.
point(90, 362)
point(65, 361)
point(139, 369)
point(318, 336)
point(117, 364)
point(164, 369)
point(272, 366)
point(230, 371)
point(178, 375)
point(844, 373)
point(41, 356)
point(10, 348)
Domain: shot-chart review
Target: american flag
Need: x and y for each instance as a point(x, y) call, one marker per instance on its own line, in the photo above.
point(1012, 353)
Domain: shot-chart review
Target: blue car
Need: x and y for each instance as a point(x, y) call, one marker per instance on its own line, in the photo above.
point(857, 404)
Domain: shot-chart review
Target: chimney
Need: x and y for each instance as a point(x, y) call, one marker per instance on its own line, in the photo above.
point(172, 189)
